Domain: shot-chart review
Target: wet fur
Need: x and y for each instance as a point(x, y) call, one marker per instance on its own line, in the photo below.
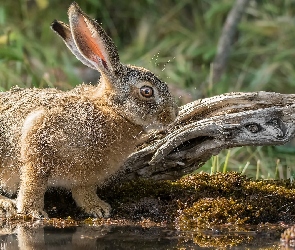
point(79, 138)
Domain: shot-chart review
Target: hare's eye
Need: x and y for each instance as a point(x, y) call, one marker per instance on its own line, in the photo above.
point(146, 91)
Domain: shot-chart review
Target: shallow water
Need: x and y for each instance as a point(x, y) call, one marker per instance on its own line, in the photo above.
point(37, 236)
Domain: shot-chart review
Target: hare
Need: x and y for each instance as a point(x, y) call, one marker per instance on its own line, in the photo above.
point(77, 139)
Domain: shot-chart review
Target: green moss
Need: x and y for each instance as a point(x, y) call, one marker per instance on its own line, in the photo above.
point(209, 211)
point(203, 200)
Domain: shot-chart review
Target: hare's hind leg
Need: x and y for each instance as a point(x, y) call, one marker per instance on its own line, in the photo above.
point(86, 198)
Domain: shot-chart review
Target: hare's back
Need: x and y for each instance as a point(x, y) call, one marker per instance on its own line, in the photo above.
point(17, 103)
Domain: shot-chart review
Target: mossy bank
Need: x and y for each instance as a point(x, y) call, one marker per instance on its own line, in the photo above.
point(194, 201)
point(204, 200)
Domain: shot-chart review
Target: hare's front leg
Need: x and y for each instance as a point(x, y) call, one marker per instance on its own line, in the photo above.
point(30, 200)
point(86, 197)
point(7, 207)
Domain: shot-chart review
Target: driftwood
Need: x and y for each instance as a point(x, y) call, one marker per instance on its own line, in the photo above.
point(205, 127)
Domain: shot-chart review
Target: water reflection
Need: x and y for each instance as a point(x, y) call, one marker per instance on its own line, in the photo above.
point(39, 236)
point(86, 237)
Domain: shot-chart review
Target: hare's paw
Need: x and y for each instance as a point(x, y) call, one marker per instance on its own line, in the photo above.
point(35, 214)
point(101, 209)
point(87, 199)
point(38, 214)
point(7, 207)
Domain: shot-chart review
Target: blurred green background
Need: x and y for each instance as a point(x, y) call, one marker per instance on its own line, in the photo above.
point(175, 39)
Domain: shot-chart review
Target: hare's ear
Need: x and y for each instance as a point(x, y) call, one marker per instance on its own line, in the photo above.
point(64, 31)
point(92, 41)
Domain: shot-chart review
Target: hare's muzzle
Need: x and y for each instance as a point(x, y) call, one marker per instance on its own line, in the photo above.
point(168, 115)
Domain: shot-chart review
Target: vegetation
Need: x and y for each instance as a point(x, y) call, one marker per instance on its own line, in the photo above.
point(227, 203)
point(175, 39)
point(203, 200)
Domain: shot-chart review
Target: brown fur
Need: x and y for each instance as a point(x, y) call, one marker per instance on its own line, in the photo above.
point(77, 139)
